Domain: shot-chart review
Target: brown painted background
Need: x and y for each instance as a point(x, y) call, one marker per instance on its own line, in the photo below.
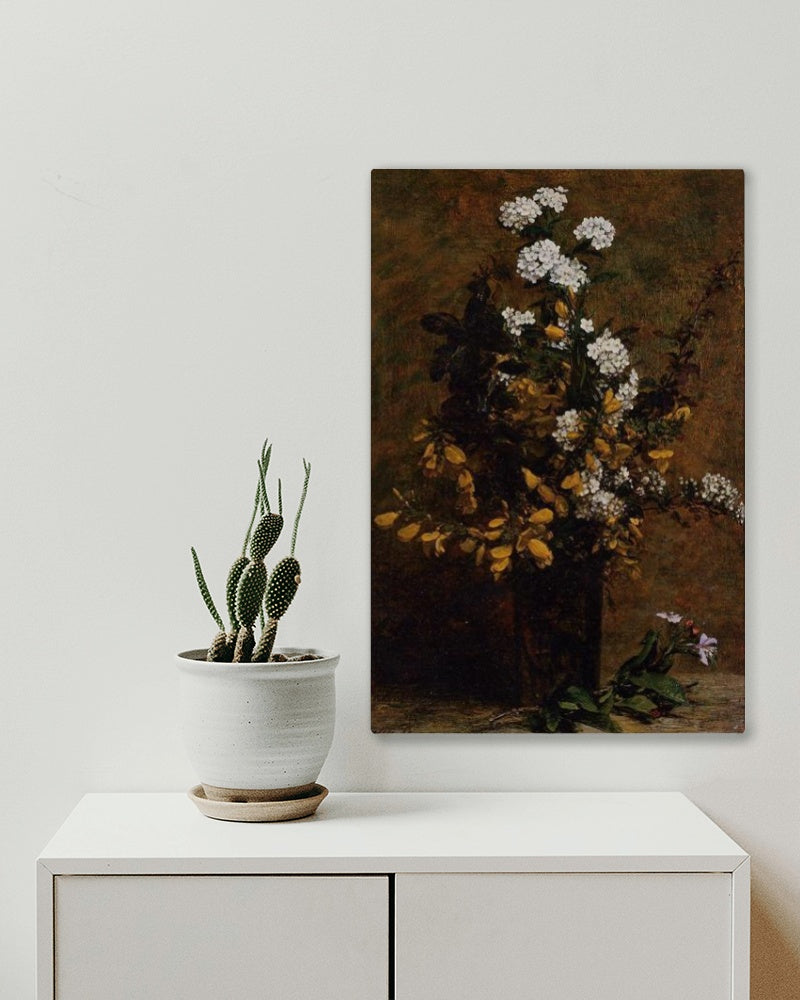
point(440, 628)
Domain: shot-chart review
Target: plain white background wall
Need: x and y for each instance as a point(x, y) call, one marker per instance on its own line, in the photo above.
point(185, 267)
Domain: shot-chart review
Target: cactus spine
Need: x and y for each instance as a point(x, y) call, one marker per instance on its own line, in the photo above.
point(249, 590)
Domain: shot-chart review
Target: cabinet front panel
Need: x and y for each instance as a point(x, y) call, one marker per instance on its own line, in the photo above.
point(204, 937)
point(564, 937)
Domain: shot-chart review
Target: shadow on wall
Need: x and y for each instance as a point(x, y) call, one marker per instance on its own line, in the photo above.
point(775, 969)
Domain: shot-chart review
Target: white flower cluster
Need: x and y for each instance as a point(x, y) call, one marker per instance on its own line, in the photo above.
point(597, 230)
point(536, 261)
point(719, 492)
point(555, 198)
point(651, 484)
point(545, 259)
point(516, 320)
point(609, 354)
point(523, 211)
point(620, 478)
point(519, 213)
point(596, 503)
point(628, 391)
point(567, 424)
point(568, 273)
point(626, 396)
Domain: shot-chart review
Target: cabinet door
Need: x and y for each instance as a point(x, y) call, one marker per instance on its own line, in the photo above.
point(204, 937)
point(564, 936)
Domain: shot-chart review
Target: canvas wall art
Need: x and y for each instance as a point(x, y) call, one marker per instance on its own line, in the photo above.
point(558, 451)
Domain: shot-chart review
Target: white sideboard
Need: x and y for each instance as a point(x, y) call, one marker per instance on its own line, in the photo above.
point(395, 896)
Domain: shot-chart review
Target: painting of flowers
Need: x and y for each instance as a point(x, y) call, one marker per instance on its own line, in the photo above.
point(558, 451)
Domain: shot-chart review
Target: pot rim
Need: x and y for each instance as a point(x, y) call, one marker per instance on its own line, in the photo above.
point(194, 661)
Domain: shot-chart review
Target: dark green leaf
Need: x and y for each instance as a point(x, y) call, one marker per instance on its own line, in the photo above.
point(551, 719)
point(606, 699)
point(663, 685)
point(582, 698)
point(639, 704)
point(601, 721)
point(649, 641)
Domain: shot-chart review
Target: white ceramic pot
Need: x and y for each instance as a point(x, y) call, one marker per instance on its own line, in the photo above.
point(257, 731)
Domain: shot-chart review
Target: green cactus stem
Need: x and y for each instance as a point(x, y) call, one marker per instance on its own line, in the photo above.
point(261, 502)
point(283, 583)
point(245, 642)
point(265, 535)
point(231, 645)
point(234, 575)
point(204, 591)
point(263, 650)
point(263, 466)
point(218, 650)
point(307, 469)
point(250, 593)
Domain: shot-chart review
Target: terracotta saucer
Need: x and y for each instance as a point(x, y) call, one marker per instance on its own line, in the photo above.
point(258, 812)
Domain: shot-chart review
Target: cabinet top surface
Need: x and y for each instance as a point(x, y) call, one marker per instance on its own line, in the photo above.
point(121, 833)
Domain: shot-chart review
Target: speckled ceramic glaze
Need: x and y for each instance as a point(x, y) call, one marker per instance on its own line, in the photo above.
point(257, 730)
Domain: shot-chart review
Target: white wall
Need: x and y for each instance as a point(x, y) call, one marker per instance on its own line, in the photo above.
point(185, 266)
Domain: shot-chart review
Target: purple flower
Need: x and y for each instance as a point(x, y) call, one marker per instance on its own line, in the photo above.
point(705, 649)
point(671, 616)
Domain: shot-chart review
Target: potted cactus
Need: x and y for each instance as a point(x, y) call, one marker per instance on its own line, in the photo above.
point(257, 721)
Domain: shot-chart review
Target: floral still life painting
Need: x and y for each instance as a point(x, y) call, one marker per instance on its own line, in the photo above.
point(557, 451)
